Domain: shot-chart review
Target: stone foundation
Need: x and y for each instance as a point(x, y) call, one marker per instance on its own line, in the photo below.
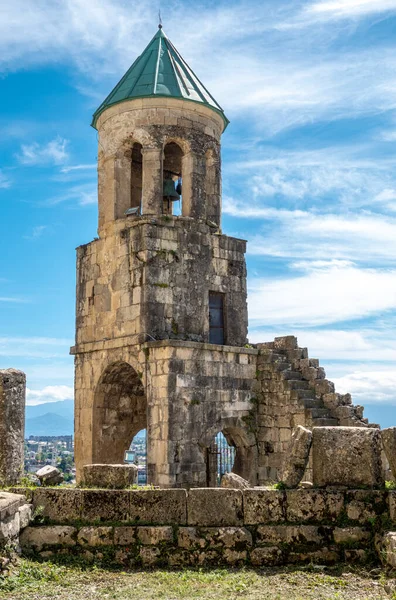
point(212, 526)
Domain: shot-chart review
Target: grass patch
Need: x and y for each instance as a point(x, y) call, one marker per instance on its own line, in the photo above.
point(32, 580)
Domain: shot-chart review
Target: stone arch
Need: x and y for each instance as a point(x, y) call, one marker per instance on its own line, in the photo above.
point(119, 413)
point(244, 442)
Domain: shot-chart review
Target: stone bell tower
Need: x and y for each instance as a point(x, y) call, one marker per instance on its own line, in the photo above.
point(161, 294)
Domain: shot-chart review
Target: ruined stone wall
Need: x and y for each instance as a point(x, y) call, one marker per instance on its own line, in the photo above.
point(211, 526)
point(292, 389)
point(12, 425)
point(152, 278)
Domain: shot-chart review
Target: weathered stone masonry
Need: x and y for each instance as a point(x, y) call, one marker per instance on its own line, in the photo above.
point(144, 317)
point(212, 526)
point(12, 425)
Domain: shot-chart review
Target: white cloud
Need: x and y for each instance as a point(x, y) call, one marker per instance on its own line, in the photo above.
point(37, 232)
point(322, 296)
point(54, 152)
point(83, 195)
point(78, 168)
point(34, 347)
point(369, 385)
point(336, 9)
point(315, 236)
point(5, 182)
point(50, 393)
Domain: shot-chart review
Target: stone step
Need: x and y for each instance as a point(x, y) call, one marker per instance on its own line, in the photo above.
point(324, 422)
point(283, 366)
point(295, 375)
point(298, 384)
point(307, 395)
point(312, 403)
point(320, 413)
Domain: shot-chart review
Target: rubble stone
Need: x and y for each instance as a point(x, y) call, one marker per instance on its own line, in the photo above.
point(49, 475)
point(234, 481)
point(110, 476)
point(296, 457)
point(347, 456)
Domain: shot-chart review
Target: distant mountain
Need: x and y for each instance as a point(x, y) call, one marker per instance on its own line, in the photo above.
point(49, 424)
point(63, 408)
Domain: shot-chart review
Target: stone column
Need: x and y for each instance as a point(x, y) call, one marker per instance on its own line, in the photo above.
point(12, 425)
point(152, 181)
point(194, 201)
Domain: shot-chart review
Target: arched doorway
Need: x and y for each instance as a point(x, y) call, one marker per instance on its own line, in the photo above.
point(120, 412)
point(172, 176)
point(229, 449)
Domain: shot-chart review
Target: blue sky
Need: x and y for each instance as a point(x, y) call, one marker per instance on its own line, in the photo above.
point(308, 170)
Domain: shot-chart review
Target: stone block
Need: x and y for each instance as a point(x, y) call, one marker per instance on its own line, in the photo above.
point(214, 506)
point(9, 528)
point(350, 535)
point(268, 556)
point(292, 534)
point(152, 536)
point(362, 505)
point(49, 475)
point(25, 515)
point(149, 555)
point(159, 507)
point(9, 504)
point(304, 505)
point(296, 457)
point(54, 535)
point(347, 456)
point(109, 476)
point(96, 536)
point(124, 536)
point(59, 505)
point(109, 505)
point(389, 443)
point(234, 481)
point(263, 506)
point(387, 549)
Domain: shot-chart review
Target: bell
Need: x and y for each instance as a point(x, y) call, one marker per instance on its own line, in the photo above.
point(169, 190)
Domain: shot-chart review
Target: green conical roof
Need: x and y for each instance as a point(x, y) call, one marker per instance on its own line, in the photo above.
point(160, 71)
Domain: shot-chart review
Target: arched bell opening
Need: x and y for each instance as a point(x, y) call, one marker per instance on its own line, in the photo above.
point(120, 412)
point(137, 455)
point(136, 177)
point(128, 174)
point(172, 179)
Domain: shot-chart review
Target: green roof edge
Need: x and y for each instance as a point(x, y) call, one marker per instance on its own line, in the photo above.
point(97, 114)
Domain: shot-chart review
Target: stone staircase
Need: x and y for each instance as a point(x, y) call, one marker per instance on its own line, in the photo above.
point(306, 380)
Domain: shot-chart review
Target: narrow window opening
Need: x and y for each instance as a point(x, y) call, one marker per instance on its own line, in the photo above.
point(216, 318)
point(136, 177)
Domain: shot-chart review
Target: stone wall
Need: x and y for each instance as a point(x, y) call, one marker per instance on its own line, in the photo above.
point(12, 425)
point(151, 278)
point(211, 526)
point(187, 392)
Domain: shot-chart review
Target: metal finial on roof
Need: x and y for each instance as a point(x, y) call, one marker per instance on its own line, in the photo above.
point(160, 20)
